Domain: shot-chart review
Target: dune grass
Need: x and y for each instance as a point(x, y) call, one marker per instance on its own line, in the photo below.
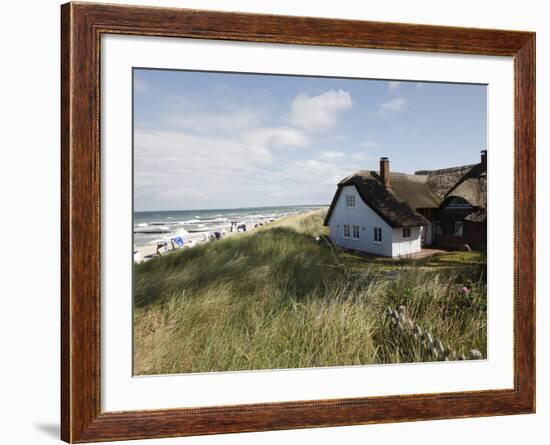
point(280, 297)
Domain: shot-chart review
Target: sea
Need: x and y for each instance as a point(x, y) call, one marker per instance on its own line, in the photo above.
point(150, 227)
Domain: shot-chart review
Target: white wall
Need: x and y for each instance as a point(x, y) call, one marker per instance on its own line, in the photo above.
point(405, 246)
point(363, 216)
point(29, 179)
point(393, 243)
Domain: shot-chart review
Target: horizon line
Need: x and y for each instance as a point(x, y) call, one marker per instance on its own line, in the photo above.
point(233, 208)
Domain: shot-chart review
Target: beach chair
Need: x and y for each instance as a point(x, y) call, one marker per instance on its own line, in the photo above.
point(177, 242)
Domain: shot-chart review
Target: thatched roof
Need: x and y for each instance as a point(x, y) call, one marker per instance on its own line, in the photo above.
point(443, 180)
point(472, 187)
point(468, 182)
point(426, 189)
point(414, 190)
point(395, 211)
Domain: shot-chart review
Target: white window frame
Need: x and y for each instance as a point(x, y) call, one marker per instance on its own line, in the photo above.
point(355, 229)
point(350, 201)
point(377, 235)
point(406, 232)
point(455, 232)
point(346, 226)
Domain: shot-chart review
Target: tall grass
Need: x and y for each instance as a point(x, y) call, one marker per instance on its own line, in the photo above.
point(279, 297)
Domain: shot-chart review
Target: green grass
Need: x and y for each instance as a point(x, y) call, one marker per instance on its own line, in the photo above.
point(278, 297)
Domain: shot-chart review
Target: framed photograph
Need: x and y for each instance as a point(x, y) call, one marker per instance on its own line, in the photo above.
point(274, 222)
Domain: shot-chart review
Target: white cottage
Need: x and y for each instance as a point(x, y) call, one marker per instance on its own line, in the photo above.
point(367, 215)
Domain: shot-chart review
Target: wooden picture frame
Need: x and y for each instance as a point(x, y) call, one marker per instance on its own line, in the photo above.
point(82, 26)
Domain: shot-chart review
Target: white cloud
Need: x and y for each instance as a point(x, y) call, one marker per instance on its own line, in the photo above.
point(163, 149)
point(319, 112)
point(174, 169)
point(340, 156)
point(235, 123)
point(313, 176)
point(178, 169)
point(394, 86)
point(368, 144)
point(360, 156)
point(225, 121)
point(331, 155)
point(195, 157)
point(393, 105)
point(276, 137)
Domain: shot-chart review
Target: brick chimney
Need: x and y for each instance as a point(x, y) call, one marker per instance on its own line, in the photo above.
point(385, 172)
point(484, 160)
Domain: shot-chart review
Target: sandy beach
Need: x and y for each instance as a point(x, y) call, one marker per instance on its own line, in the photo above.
point(192, 239)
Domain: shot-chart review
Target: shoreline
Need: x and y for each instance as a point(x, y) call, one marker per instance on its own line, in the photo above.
point(191, 239)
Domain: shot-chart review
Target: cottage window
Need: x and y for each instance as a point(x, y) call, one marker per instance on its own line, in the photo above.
point(346, 230)
point(350, 200)
point(378, 234)
point(355, 232)
point(406, 232)
point(458, 229)
point(457, 203)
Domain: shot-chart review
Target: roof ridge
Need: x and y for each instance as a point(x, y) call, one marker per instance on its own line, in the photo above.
point(444, 170)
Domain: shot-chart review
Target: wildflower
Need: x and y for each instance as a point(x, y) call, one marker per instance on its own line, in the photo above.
point(464, 290)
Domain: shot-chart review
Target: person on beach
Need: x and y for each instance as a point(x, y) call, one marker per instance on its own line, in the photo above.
point(162, 247)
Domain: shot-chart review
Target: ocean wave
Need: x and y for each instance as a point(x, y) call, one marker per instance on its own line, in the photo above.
point(215, 220)
point(155, 229)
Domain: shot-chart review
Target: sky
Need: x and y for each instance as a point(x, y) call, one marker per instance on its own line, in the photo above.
point(206, 140)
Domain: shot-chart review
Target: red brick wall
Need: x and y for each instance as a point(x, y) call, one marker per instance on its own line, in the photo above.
point(475, 235)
